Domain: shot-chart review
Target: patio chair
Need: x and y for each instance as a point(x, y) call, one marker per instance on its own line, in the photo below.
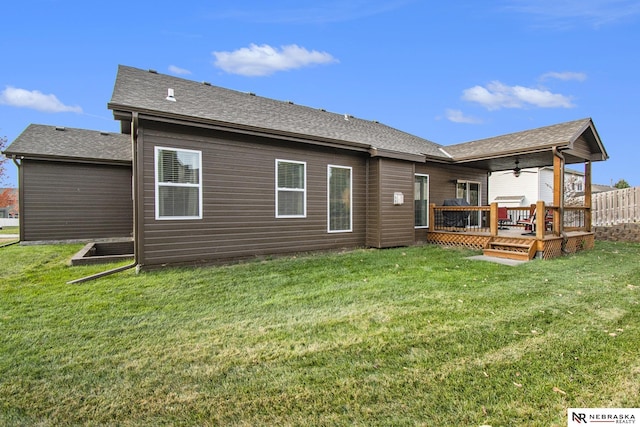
point(529, 222)
point(503, 219)
point(548, 221)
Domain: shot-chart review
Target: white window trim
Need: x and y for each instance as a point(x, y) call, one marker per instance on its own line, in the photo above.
point(301, 190)
point(479, 214)
point(464, 181)
point(350, 230)
point(428, 196)
point(158, 185)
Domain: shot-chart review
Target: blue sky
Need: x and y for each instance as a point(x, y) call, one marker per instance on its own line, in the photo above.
point(449, 72)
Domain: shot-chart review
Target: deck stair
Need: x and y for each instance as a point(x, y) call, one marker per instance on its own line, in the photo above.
point(511, 248)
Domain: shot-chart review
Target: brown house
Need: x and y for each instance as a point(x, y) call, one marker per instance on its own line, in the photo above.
point(221, 175)
point(75, 184)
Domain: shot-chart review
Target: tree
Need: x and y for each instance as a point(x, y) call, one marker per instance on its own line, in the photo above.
point(621, 184)
point(9, 199)
point(3, 159)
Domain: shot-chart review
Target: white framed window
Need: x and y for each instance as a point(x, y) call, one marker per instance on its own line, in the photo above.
point(339, 199)
point(178, 180)
point(421, 200)
point(291, 189)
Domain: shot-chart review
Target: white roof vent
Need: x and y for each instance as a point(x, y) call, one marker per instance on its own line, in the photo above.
point(170, 95)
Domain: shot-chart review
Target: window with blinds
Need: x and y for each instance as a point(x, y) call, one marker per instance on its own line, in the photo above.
point(178, 174)
point(339, 197)
point(291, 189)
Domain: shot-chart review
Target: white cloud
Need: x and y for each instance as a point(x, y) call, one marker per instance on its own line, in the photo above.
point(265, 60)
point(458, 116)
point(36, 100)
point(177, 70)
point(497, 95)
point(566, 75)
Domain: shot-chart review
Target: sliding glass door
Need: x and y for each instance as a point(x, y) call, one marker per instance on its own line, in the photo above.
point(470, 191)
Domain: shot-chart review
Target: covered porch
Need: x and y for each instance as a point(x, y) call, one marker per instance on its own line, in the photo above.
point(521, 234)
point(542, 230)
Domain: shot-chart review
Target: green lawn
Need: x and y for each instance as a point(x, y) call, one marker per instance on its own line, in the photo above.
point(9, 230)
point(410, 336)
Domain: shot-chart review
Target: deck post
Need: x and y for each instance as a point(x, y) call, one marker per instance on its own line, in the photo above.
point(541, 213)
point(587, 196)
point(493, 219)
point(558, 192)
point(432, 216)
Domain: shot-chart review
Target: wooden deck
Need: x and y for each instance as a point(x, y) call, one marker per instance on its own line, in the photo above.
point(557, 232)
point(515, 243)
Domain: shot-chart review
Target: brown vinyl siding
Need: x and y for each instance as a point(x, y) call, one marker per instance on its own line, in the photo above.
point(69, 201)
point(239, 219)
point(390, 225)
point(373, 203)
point(580, 149)
point(442, 185)
point(442, 180)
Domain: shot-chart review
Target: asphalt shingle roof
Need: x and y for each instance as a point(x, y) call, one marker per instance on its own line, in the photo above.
point(528, 140)
point(146, 91)
point(43, 141)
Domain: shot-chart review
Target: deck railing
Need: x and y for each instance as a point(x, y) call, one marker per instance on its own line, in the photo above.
point(575, 218)
point(460, 218)
point(484, 219)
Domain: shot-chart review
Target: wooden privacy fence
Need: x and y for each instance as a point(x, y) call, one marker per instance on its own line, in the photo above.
point(616, 207)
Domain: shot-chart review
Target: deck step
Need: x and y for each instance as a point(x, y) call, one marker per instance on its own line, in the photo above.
point(516, 249)
point(510, 245)
point(517, 256)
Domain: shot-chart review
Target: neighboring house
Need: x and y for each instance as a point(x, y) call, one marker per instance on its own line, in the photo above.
point(75, 184)
point(9, 203)
point(220, 174)
point(600, 188)
point(531, 185)
point(534, 184)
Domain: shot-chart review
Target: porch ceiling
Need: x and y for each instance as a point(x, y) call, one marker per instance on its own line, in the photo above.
point(526, 160)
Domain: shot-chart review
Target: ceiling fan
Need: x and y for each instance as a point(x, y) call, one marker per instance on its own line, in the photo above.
point(518, 170)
